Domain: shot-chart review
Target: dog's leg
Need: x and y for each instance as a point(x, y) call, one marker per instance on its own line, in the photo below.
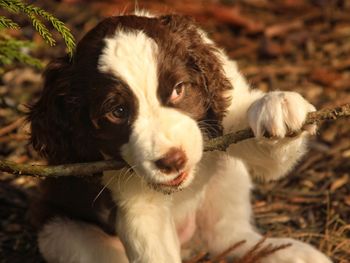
point(67, 241)
point(276, 114)
point(145, 224)
point(225, 216)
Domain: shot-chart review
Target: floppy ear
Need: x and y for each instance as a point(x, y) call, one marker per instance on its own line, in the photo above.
point(205, 59)
point(57, 123)
point(49, 118)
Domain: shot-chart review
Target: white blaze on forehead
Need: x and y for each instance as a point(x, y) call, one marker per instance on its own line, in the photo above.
point(131, 56)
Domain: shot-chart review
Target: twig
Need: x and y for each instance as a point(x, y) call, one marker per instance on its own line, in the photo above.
point(223, 142)
point(12, 126)
point(76, 169)
point(219, 143)
point(226, 253)
point(261, 250)
point(219, 258)
point(14, 137)
point(197, 258)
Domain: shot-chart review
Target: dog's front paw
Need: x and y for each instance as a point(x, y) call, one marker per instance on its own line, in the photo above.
point(298, 252)
point(278, 114)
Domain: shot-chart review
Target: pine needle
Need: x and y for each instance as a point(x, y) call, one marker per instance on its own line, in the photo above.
point(35, 14)
point(7, 23)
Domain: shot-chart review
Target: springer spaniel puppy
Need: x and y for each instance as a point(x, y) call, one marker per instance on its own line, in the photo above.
point(150, 90)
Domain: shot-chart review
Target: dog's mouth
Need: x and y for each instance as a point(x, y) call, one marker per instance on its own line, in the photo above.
point(174, 185)
point(177, 181)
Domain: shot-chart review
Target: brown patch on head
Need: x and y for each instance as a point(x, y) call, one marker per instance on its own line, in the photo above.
point(111, 132)
point(68, 125)
point(184, 56)
point(207, 78)
point(62, 128)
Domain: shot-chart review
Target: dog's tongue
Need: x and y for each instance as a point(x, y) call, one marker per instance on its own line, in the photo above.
point(177, 180)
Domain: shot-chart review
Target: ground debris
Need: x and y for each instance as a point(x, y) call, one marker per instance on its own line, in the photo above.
point(299, 46)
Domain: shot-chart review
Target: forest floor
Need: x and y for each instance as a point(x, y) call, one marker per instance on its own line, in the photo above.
point(290, 45)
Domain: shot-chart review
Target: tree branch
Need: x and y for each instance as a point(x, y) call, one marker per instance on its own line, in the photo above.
point(219, 143)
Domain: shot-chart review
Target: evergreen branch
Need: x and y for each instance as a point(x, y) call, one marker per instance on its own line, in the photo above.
point(58, 25)
point(7, 23)
point(219, 143)
point(42, 29)
point(14, 50)
point(33, 12)
point(10, 5)
point(17, 6)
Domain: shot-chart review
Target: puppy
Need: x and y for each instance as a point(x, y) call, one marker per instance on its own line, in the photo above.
point(150, 90)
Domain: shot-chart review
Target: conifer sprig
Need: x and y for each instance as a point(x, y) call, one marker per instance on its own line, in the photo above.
point(34, 13)
point(57, 24)
point(7, 23)
point(16, 50)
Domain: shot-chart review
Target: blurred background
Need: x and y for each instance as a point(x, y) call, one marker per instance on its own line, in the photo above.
point(296, 45)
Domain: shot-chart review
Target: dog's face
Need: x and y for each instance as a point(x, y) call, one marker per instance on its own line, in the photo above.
point(142, 89)
point(151, 102)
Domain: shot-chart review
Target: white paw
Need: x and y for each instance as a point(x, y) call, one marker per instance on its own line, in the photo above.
point(298, 252)
point(279, 113)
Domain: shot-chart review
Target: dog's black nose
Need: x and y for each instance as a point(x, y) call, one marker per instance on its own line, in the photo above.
point(173, 161)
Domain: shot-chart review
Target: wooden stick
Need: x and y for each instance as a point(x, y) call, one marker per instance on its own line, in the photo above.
point(76, 169)
point(219, 143)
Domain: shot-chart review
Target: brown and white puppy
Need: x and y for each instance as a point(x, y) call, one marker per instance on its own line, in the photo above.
point(149, 90)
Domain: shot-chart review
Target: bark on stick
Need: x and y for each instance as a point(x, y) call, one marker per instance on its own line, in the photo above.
point(220, 144)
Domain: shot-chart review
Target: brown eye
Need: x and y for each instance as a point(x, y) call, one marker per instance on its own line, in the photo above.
point(119, 114)
point(178, 92)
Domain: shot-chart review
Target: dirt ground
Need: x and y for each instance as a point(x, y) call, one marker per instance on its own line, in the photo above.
point(295, 45)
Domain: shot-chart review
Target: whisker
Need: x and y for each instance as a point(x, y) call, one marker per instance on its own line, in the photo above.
point(104, 187)
point(124, 174)
point(208, 124)
point(213, 127)
point(142, 181)
point(119, 175)
point(129, 177)
point(209, 121)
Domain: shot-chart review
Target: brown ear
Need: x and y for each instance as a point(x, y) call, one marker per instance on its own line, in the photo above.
point(49, 118)
point(204, 59)
point(58, 117)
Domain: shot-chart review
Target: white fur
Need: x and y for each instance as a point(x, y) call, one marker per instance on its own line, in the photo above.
point(157, 128)
point(155, 131)
point(143, 12)
point(217, 201)
point(63, 240)
point(145, 224)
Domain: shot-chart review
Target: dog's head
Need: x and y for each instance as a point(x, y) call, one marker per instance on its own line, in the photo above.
point(143, 89)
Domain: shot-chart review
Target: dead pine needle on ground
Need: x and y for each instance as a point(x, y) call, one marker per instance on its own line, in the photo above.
point(301, 46)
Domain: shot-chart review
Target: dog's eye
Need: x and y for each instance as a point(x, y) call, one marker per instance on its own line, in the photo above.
point(178, 92)
point(119, 114)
